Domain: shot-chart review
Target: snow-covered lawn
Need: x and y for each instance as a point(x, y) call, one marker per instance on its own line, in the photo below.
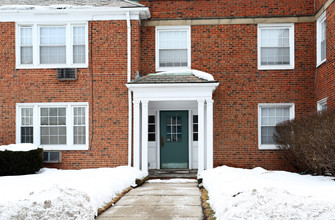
point(63, 194)
point(260, 194)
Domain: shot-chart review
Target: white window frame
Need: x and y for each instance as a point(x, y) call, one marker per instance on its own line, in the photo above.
point(69, 124)
point(319, 21)
point(36, 44)
point(290, 26)
point(320, 103)
point(269, 105)
point(171, 28)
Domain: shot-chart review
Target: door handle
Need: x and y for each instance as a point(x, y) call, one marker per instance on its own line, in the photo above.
point(162, 141)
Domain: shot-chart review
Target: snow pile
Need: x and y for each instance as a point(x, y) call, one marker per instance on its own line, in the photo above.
point(260, 194)
point(197, 73)
point(63, 194)
point(18, 147)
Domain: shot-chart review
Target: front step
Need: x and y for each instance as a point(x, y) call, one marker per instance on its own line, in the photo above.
point(173, 174)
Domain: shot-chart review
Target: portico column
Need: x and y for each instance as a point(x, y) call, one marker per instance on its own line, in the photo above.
point(209, 145)
point(145, 136)
point(201, 139)
point(137, 130)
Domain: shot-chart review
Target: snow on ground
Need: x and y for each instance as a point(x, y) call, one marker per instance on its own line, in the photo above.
point(63, 194)
point(172, 181)
point(260, 194)
point(18, 147)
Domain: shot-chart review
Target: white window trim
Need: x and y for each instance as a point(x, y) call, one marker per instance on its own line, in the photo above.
point(160, 28)
point(291, 34)
point(269, 105)
point(319, 21)
point(320, 103)
point(35, 38)
point(69, 124)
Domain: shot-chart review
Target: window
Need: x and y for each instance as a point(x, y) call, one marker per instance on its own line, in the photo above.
point(173, 47)
point(52, 156)
point(321, 37)
point(275, 46)
point(52, 46)
point(173, 129)
point(322, 104)
point(195, 128)
point(269, 115)
point(151, 128)
point(27, 132)
point(53, 126)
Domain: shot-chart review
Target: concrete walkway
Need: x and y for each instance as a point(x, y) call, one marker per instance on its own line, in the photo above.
point(161, 201)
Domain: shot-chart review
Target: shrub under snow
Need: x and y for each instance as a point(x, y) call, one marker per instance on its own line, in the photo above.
point(260, 194)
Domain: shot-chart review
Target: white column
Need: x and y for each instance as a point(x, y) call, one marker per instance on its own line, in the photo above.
point(145, 136)
point(137, 130)
point(201, 138)
point(209, 144)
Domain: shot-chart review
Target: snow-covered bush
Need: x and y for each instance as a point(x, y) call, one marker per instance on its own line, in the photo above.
point(309, 142)
point(15, 160)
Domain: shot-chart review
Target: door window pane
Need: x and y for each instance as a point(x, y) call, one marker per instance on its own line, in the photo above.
point(173, 129)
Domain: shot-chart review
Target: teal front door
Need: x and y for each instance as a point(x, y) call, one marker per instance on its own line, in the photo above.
point(174, 139)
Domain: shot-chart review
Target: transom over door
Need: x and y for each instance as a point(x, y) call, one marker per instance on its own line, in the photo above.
point(174, 139)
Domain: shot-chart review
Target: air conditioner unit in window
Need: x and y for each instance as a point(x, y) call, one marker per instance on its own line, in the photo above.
point(52, 156)
point(67, 74)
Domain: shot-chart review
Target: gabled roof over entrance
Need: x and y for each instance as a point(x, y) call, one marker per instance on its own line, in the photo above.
point(189, 76)
point(175, 85)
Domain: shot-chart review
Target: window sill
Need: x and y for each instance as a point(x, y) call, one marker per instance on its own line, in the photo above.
point(268, 147)
point(51, 66)
point(276, 67)
point(63, 147)
point(323, 61)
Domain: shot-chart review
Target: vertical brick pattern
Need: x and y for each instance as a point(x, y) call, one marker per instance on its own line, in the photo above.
point(325, 73)
point(229, 52)
point(109, 106)
point(227, 8)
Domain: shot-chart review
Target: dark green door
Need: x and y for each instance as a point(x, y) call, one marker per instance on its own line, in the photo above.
point(174, 139)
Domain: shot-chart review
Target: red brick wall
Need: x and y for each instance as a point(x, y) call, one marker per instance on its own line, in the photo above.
point(325, 73)
point(224, 8)
point(108, 62)
point(229, 52)
point(318, 4)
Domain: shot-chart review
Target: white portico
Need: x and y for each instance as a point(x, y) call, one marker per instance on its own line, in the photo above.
point(173, 120)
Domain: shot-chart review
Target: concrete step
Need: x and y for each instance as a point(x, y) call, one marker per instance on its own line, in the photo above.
point(173, 174)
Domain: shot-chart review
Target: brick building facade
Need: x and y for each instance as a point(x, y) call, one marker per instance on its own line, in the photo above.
point(224, 41)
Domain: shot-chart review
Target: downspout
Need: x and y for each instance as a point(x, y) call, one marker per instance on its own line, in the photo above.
point(130, 113)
